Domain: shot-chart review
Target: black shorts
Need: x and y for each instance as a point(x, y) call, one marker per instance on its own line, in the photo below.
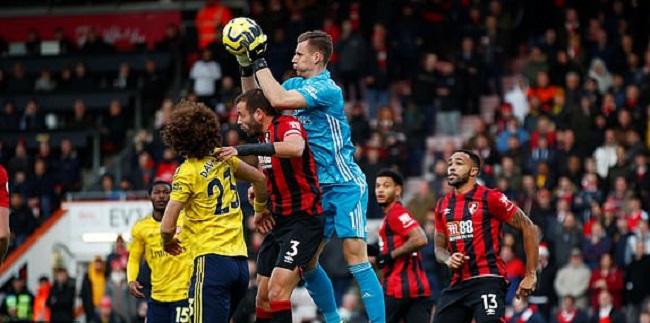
point(292, 243)
point(410, 310)
point(482, 298)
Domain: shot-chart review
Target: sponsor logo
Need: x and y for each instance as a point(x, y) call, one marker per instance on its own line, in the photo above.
point(460, 230)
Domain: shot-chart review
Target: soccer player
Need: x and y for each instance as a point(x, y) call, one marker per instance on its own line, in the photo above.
point(318, 103)
point(4, 213)
point(406, 287)
point(170, 276)
point(295, 202)
point(204, 188)
point(468, 229)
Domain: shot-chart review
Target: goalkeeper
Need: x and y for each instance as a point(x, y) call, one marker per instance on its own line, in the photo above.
point(318, 103)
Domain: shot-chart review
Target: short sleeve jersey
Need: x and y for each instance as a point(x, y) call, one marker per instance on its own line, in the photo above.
point(472, 223)
point(213, 217)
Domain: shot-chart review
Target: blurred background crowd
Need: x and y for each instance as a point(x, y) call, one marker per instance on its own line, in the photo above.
point(553, 95)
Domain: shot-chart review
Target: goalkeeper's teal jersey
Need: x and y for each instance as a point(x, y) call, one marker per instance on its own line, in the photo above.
point(327, 128)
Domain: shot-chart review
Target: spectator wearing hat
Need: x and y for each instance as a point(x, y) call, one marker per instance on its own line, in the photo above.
point(18, 303)
point(573, 279)
point(106, 313)
point(544, 296)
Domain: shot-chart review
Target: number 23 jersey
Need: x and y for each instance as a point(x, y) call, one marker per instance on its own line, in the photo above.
point(472, 223)
point(213, 218)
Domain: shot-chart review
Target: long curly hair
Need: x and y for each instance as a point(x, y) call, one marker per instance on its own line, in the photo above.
point(194, 130)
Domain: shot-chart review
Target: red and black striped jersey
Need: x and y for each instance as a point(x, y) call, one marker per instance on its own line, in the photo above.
point(472, 223)
point(4, 188)
point(292, 182)
point(405, 277)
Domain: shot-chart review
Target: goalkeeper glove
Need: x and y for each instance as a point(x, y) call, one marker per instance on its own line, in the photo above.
point(243, 60)
point(255, 43)
point(384, 260)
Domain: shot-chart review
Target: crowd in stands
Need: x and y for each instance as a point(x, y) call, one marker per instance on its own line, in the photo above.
point(569, 140)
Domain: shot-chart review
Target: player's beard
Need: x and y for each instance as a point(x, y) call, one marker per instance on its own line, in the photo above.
point(460, 179)
point(253, 128)
point(387, 201)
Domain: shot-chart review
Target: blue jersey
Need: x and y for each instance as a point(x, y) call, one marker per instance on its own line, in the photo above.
point(327, 128)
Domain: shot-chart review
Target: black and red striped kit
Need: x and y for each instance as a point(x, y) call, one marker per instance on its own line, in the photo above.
point(472, 223)
point(405, 277)
point(292, 182)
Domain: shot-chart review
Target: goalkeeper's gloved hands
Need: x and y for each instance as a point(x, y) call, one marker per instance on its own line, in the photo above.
point(255, 43)
point(243, 60)
point(384, 260)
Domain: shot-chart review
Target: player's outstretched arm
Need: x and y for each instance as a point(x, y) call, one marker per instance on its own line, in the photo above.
point(523, 223)
point(292, 146)
point(257, 179)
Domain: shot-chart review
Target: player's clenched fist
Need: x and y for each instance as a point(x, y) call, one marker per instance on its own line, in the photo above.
point(456, 260)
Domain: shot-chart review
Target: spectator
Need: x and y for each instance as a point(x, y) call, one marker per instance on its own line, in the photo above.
point(23, 222)
point(32, 119)
point(514, 272)
point(568, 237)
point(351, 48)
point(80, 120)
point(68, 167)
point(20, 162)
point(9, 118)
point(517, 97)
point(106, 313)
point(636, 278)
point(167, 166)
point(350, 310)
point(65, 45)
point(114, 128)
point(425, 80)
point(544, 296)
point(117, 289)
point(144, 173)
point(153, 86)
point(125, 79)
point(206, 76)
point(93, 286)
point(359, 125)
point(118, 253)
point(448, 101)
point(210, 21)
point(606, 310)
point(569, 313)
point(108, 187)
point(61, 298)
point(41, 310)
point(42, 186)
point(609, 278)
point(19, 82)
point(95, 44)
point(599, 73)
point(18, 302)
point(81, 81)
point(45, 83)
point(523, 312)
point(536, 63)
point(595, 246)
point(641, 235)
point(573, 280)
point(377, 79)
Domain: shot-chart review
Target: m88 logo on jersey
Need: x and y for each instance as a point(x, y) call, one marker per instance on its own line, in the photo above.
point(460, 230)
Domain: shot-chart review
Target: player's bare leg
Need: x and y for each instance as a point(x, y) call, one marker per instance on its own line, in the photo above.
point(281, 285)
point(262, 302)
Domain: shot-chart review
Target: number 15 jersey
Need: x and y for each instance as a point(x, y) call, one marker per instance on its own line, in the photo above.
point(213, 218)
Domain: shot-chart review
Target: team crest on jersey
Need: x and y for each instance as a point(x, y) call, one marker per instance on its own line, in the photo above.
point(472, 207)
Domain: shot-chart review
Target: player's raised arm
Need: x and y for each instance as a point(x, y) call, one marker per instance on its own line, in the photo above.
point(280, 98)
point(522, 223)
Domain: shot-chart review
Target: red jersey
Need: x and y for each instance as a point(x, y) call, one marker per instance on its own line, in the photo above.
point(472, 224)
point(4, 188)
point(404, 278)
point(292, 182)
